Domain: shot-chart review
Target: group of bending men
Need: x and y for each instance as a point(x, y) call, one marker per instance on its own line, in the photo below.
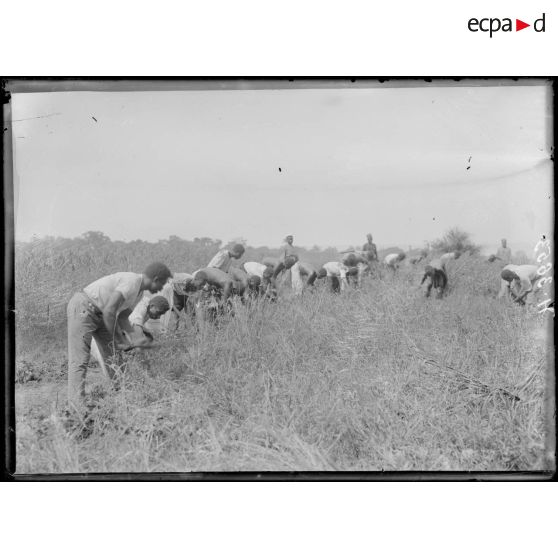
point(110, 314)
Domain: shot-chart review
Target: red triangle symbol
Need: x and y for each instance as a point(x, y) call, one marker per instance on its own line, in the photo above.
point(519, 25)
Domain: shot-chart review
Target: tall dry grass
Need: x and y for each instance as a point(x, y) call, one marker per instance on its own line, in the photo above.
point(373, 379)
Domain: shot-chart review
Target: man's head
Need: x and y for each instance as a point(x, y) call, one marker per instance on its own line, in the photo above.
point(290, 261)
point(369, 237)
point(267, 275)
point(289, 239)
point(504, 242)
point(350, 259)
point(237, 251)
point(509, 276)
point(158, 305)
point(157, 274)
point(254, 282)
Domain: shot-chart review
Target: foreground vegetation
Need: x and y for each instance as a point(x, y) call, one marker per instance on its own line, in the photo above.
point(368, 380)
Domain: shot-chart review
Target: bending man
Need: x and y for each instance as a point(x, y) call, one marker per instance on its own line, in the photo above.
point(95, 312)
point(435, 276)
point(518, 281)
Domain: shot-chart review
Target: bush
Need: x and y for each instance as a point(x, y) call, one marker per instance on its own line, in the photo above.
point(456, 240)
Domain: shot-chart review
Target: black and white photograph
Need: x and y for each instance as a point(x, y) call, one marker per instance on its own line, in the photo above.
point(282, 276)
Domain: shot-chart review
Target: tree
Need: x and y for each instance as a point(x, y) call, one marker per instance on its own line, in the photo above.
point(456, 240)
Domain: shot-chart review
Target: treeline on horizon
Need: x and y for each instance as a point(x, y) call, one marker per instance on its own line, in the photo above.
point(94, 248)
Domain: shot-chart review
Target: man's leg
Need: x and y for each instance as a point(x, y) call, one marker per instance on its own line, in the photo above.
point(296, 279)
point(81, 325)
point(504, 288)
point(429, 284)
point(104, 341)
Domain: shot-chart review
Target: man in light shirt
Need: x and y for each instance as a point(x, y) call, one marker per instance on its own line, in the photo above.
point(336, 273)
point(223, 259)
point(254, 269)
point(259, 271)
point(149, 308)
point(435, 277)
point(96, 312)
point(393, 260)
point(518, 281)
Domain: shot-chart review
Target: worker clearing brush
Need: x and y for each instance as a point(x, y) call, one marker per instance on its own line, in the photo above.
point(101, 311)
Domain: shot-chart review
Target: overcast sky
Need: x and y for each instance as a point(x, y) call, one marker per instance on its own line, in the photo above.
point(403, 163)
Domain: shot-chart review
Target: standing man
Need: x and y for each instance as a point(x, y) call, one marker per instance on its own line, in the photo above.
point(288, 248)
point(504, 253)
point(290, 253)
point(101, 311)
point(370, 249)
point(223, 259)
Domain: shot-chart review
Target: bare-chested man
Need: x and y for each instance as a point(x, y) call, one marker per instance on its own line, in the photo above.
point(276, 266)
point(244, 285)
point(214, 279)
point(435, 277)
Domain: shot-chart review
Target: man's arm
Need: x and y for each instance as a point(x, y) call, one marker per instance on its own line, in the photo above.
point(525, 288)
point(278, 270)
point(110, 316)
point(227, 288)
point(123, 320)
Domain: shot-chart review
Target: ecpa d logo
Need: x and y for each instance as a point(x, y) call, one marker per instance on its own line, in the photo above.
point(492, 25)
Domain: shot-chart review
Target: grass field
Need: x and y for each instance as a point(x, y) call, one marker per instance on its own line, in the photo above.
point(367, 380)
